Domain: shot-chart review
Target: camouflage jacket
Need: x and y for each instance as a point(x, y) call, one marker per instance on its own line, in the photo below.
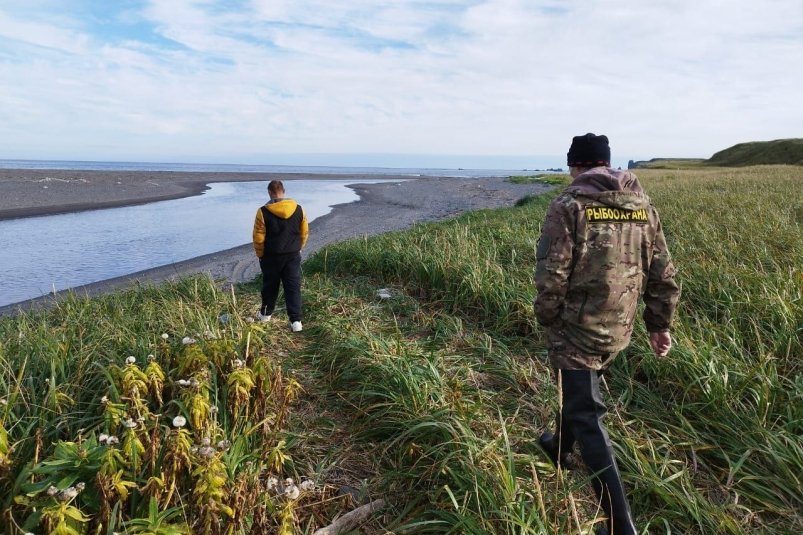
point(601, 248)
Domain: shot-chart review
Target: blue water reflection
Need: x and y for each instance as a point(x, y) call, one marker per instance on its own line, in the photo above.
point(42, 254)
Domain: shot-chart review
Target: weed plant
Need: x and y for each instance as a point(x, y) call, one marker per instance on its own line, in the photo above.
point(432, 398)
point(156, 410)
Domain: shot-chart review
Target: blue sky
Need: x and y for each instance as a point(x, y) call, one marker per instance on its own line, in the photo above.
point(494, 83)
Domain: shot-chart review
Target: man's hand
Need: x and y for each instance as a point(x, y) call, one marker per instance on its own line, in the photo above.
point(661, 343)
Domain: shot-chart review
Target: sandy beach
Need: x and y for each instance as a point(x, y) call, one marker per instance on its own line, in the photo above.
point(381, 208)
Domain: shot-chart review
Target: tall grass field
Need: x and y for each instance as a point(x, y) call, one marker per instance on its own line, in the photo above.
point(164, 410)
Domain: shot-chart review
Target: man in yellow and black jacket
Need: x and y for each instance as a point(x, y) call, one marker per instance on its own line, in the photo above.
point(280, 232)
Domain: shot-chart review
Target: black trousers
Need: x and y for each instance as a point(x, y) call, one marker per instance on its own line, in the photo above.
point(284, 269)
point(581, 420)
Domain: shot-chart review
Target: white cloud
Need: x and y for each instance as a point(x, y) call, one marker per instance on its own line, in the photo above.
point(668, 78)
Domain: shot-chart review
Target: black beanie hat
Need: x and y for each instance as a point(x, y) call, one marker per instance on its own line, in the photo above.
point(589, 151)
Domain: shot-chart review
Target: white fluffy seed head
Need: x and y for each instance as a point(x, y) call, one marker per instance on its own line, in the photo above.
point(292, 492)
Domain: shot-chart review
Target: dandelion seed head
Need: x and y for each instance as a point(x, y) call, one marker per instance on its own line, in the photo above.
point(224, 444)
point(237, 364)
point(151, 358)
point(213, 410)
point(52, 491)
point(80, 486)
point(104, 399)
point(165, 336)
point(183, 382)
point(103, 437)
point(307, 485)
point(289, 481)
point(188, 340)
point(292, 492)
point(112, 440)
point(130, 360)
point(129, 423)
point(179, 422)
point(67, 494)
point(272, 483)
point(206, 451)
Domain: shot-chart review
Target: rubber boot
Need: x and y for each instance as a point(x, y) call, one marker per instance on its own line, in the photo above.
point(552, 445)
point(584, 411)
point(559, 444)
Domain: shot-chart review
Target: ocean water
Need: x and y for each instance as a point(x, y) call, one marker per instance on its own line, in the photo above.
point(56, 252)
point(236, 168)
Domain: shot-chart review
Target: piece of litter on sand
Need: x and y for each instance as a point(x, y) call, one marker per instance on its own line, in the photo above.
point(383, 293)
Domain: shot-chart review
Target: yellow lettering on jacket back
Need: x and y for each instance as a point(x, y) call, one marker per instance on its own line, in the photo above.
point(603, 214)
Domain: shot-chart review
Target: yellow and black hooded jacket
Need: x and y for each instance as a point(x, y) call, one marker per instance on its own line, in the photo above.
point(280, 227)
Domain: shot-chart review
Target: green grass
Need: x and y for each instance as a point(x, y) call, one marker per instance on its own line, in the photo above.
point(551, 178)
point(432, 398)
point(671, 163)
point(776, 152)
point(779, 151)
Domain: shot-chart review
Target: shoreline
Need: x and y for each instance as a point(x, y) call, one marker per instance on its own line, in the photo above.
point(381, 207)
point(38, 192)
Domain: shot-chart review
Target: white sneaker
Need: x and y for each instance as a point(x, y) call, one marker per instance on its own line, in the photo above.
point(263, 317)
point(296, 326)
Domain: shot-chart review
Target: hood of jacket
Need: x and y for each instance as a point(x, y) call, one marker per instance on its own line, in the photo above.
point(283, 208)
point(610, 187)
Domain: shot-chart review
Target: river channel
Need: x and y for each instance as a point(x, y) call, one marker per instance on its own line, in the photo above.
point(39, 255)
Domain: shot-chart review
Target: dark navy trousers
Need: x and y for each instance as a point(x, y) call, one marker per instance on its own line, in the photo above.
point(284, 269)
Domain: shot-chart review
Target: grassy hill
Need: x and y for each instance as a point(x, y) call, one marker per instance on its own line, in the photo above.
point(779, 151)
point(165, 410)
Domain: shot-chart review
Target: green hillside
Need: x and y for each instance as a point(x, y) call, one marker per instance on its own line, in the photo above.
point(779, 151)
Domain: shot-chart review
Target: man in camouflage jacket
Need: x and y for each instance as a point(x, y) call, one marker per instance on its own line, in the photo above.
point(601, 248)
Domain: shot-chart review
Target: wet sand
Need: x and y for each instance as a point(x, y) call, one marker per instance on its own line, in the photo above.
point(381, 208)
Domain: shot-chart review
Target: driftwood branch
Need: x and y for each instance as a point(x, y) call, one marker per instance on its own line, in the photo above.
point(352, 519)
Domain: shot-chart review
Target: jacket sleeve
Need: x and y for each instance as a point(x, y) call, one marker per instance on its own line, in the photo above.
point(662, 292)
point(553, 263)
point(304, 228)
point(258, 235)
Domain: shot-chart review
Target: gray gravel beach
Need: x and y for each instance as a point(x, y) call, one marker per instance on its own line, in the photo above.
point(382, 207)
